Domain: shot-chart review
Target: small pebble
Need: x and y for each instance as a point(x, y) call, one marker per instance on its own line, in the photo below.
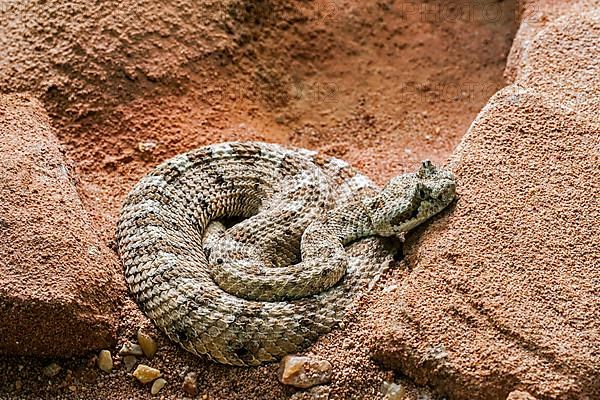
point(157, 385)
point(190, 383)
point(145, 374)
point(105, 361)
point(73, 388)
point(131, 349)
point(51, 370)
point(392, 391)
point(390, 288)
point(18, 385)
point(519, 395)
point(147, 344)
point(148, 146)
point(304, 372)
point(147, 149)
point(129, 362)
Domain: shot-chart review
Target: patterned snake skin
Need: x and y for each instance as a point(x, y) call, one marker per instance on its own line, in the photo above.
point(248, 251)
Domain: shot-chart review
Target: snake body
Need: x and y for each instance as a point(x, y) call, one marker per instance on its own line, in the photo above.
point(237, 251)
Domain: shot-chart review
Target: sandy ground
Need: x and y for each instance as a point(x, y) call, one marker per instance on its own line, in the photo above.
point(381, 85)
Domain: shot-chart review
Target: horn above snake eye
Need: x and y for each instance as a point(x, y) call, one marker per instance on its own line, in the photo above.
point(426, 168)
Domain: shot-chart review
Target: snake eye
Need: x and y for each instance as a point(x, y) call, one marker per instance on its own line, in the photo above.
point(219, 261)
point(182, 336)
point(422, 194)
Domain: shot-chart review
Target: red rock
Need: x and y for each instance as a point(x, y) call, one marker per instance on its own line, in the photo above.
point(535, 16)
point(503, 292)
point(504, 288)
point(57, 280)
point(561, 63)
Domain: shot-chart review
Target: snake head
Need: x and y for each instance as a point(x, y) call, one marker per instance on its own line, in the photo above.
point(410, 199)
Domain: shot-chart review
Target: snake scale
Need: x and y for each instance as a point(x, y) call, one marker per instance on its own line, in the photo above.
point(237, 251)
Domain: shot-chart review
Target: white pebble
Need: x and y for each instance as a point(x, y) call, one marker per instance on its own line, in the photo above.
point(157, 385)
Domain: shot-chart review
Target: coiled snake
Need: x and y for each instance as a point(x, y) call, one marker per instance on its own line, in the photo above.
point(237, 250)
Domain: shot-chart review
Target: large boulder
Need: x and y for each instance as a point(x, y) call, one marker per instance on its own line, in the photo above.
point(504, 292)
point(503, 300)
point(562, 62)
point(58, 291)
point(534, 16)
